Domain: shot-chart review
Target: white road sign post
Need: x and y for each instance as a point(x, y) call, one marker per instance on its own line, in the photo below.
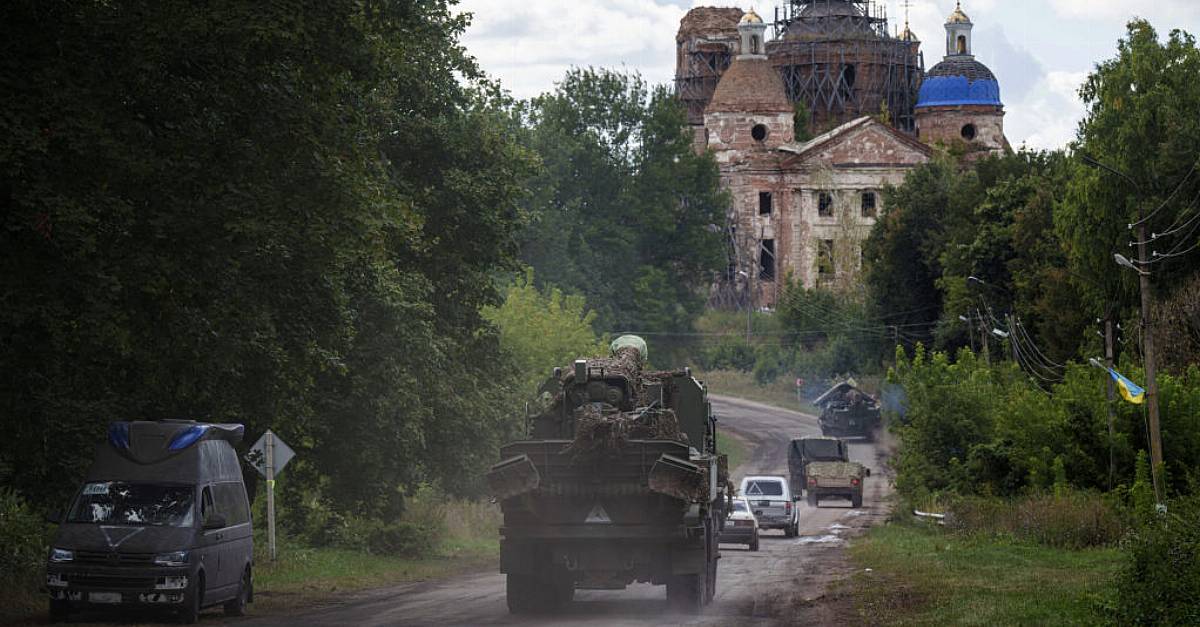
point(269, 455)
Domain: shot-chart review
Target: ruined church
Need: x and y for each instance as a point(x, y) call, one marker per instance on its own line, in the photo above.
point(805, 199)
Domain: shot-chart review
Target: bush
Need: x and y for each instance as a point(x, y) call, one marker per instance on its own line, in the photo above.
point(1066, 520)
point(22, 538)
point(400, 539)
point(1161, 578)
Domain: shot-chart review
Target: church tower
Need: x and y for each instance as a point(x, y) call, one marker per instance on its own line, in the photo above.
point(959, 102)
point(749, 111)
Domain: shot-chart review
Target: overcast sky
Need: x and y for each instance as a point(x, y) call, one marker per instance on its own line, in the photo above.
point(1040, 50)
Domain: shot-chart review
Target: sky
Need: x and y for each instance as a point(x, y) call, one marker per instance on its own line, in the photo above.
point(1040, 50)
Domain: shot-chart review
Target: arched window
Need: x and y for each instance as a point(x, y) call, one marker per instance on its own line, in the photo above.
point(962, 44)
point(754, 45)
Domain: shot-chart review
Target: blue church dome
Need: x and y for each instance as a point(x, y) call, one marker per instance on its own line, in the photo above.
point(959, 81)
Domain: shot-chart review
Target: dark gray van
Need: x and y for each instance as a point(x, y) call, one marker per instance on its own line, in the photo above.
point(161, 520)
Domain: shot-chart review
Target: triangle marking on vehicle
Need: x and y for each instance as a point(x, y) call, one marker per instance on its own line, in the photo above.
point(598, 516)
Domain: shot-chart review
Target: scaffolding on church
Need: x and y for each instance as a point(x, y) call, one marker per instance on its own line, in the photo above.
point(835, 56)
point(707, 41)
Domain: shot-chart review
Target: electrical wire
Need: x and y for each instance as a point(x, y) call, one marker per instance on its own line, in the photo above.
point(1168, 200)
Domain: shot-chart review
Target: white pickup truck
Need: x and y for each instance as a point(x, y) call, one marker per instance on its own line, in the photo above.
point(773, 503)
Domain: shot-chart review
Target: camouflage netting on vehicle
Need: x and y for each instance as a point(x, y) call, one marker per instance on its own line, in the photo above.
point(600, 429)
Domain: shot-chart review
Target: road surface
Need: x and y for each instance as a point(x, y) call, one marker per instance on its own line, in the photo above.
point(777, 585)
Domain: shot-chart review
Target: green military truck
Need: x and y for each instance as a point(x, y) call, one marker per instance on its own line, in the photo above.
point(618, 481)
point(822, 466)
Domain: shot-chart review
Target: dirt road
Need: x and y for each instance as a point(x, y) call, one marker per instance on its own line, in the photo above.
point(775, 586)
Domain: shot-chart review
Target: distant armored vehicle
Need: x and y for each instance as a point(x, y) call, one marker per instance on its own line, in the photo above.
point(822, 466)
point(847, 411)
point(619, 481)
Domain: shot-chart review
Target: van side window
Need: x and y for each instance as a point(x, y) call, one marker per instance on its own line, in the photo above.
point(231, 501)
point(206, 503)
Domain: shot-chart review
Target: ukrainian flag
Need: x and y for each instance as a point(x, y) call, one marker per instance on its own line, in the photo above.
point(1130, 390)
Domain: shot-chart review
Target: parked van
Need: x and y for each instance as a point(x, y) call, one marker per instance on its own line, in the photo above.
point(773, 503)
point(161, 520)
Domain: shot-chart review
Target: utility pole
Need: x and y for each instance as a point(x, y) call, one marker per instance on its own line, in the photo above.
point(983, 337)
point(1112, 431)
point(1156, 456)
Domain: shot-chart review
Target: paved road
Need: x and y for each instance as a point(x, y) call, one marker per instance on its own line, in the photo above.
point(776, 585)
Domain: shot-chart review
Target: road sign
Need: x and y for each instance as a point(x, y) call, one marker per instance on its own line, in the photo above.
point(258, 454)
point(268, 456)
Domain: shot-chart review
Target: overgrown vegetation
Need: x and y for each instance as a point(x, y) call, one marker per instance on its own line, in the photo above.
point(924, 576)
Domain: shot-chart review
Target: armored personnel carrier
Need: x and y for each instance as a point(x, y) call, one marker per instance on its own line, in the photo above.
point(618, 481)
point(847, 411)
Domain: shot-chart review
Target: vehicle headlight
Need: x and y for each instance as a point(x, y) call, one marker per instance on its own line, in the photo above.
point(59, 556)
point(175, 558)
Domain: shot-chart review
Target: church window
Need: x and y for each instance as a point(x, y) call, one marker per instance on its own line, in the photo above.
point(766, 260)
point(848, 75)
point(754, 44)
point(759, 132)
point(968, 132)
point(962, 44)
point(825, 204)
point(825, 257)
point(868, 204)
point(765, 204)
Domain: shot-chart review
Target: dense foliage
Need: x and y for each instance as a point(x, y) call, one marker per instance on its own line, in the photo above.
point(282, 215)
point(542, 329)
point(624, 213)
point(969, 428)
point(1159, 582)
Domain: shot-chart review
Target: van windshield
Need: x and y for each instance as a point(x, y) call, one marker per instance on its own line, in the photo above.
point(134, 504)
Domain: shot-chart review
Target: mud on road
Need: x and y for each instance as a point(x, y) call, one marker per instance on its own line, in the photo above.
point(784, 583)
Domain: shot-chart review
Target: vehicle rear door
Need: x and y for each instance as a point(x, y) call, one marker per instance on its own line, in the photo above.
point(767, 498)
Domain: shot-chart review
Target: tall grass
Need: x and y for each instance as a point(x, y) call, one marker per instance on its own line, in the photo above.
point(1072, 520)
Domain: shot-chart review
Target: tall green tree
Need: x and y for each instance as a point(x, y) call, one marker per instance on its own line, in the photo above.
point(624, 211)
point(218, 212)
point(1143, 120)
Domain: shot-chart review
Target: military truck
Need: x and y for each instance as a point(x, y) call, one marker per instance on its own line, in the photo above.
point(848, 411)
point(822, 466)
point(618, 481)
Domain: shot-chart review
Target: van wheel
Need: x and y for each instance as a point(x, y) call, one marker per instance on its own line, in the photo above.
point(856, 501)
point(191, 602)
point(237, 605)
point(60, 611)
point(754, 543)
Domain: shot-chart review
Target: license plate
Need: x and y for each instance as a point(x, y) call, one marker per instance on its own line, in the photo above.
point(764, 503)
point(104, 597)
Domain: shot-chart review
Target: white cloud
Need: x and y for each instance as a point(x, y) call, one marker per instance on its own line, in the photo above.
point(529, 45)
point(1158, 11)
point(1049, 114)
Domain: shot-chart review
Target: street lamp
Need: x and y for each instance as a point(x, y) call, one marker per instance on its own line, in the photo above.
point(1156, 457)
point(1122, 260)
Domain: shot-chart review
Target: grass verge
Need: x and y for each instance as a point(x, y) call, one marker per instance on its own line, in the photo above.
point(780, 393)
point(923, 576)
point(733, 447)
point(302, 575)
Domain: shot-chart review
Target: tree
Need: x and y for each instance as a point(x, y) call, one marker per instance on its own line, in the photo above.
point(541, 329)
point(215, 213)
point(624, 211)
point(1143, 119)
